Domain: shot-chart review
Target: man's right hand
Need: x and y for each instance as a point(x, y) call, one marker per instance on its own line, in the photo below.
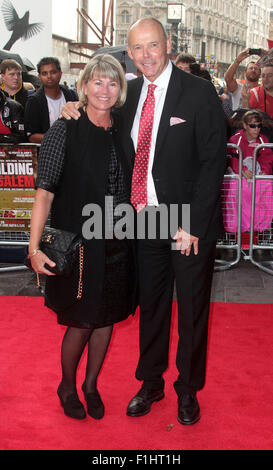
point(70, 110)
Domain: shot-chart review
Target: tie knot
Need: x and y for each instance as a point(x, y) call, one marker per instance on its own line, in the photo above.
point(151, 88)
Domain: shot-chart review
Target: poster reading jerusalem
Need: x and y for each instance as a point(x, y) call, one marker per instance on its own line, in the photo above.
point(18, 170)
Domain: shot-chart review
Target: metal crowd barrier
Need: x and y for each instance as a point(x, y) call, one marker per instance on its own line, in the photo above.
point(14, 239)
point(261, 228)
point(231, 203)
point(231, 200)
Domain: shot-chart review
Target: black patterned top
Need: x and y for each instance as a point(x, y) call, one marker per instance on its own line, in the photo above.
point(51, 157)
point(51, 163)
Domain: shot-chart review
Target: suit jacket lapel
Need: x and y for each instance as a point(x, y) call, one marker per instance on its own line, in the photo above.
point(173, 91)
point(134, 89)
point(130, 108)
point(133, 97)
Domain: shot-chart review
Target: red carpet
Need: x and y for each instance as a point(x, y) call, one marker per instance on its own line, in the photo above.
point(236, 403)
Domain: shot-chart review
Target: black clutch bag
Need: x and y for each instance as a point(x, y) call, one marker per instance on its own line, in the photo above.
point(65, 249)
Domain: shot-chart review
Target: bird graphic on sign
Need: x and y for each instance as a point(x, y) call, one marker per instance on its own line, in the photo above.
point(20, 27)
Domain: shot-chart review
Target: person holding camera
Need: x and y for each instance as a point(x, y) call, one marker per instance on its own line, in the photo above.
point(239, 91)
point(261, 97)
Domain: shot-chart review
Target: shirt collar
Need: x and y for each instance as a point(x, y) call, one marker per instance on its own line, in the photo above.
point(163, 80)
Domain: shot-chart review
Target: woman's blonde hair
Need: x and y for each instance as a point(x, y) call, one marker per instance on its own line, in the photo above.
point(105, 66)
point(252, 114)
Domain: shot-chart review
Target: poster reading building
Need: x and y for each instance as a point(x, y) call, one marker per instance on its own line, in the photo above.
point(18, 170)
point(26, 28)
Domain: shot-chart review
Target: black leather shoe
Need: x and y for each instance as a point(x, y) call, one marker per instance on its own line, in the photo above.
point(140, 405)
point(72, 406)
point(188, 409)
point(95, 406)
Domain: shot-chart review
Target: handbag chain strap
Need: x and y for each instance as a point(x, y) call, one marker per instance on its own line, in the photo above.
point(38, 281)
point(80, 284)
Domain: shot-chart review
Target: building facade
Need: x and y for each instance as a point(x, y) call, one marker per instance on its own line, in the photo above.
point(221, 25)
point(258, 30)
point(211, 30)
point(128, 11)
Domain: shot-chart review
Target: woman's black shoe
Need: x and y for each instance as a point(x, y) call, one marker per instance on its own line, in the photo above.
point(72, 406)
point(95, 406)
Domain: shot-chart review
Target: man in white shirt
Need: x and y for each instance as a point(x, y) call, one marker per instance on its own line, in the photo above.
point(161, 83)
point(44, 107)
point(239, 91)
point(186, 166)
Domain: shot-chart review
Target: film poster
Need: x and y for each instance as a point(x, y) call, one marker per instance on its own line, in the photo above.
point(18, 171)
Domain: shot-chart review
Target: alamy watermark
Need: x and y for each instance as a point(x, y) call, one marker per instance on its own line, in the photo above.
point(121, 222)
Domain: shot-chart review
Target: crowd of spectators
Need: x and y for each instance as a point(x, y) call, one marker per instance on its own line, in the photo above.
point(28, 111)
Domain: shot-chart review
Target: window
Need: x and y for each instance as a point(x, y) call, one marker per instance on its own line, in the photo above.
point(125, 17)
point(198, 22)
point(197, 47)
point(122, 38)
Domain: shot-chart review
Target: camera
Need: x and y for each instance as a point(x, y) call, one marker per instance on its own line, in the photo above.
point(195, 68)
point(255, 51)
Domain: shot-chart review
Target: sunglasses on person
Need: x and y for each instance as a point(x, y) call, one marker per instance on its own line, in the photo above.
point(253, 126)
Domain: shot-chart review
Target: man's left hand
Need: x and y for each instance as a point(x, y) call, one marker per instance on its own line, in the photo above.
point(185, 241)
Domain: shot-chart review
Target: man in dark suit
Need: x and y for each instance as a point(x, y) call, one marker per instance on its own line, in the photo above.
point(44, 106)
point(186, 166)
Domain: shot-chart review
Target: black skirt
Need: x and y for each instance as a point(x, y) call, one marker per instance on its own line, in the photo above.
point(116, 292)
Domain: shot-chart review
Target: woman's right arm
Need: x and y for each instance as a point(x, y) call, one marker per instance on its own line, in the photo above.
point(50, 167)
point(40, 212)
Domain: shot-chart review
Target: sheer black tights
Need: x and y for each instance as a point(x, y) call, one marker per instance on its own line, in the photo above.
point(73, 345)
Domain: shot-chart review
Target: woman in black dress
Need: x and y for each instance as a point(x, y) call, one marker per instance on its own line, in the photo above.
point(81, 163)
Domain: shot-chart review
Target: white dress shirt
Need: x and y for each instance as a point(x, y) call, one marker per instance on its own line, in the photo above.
point(161, 83)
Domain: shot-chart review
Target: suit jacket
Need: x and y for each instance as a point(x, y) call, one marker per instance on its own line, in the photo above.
point(36, 111)
point(190, 157)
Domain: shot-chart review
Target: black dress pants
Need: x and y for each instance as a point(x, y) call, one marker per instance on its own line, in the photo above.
point(159, 265)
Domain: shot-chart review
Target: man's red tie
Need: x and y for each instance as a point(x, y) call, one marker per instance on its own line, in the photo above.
point(140, 172)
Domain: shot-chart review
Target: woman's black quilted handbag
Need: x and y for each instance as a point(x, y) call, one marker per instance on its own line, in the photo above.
point(62, 247)
point(65, 249)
